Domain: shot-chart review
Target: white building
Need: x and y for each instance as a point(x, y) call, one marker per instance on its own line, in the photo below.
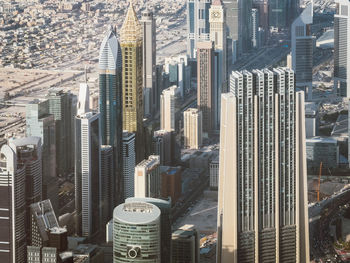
point(168, 108)
point(192, 128)
point(147, 178)
point(341, 53)
point(214, 173)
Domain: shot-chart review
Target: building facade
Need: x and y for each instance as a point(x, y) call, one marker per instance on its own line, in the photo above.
point(149, 61)
point(168, 108)
point(325, 150)
point(110, 107)
point(302, 50)
point(130, 222)
point(147, 178)
point(41, 124)
point(62, 107)
point(185, 245)
point(341, 48)
point(198, 27)
point(12, 207)
point(87, 173)
point(131, 44)
point(205, 84)
point(262, 206)
point(107, 181)
point(192, 128)
point(129, 162)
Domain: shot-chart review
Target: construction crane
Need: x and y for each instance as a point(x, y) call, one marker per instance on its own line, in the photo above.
point(319, 183)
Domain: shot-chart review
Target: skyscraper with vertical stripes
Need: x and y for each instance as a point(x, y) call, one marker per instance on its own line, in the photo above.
point(262, 206)
point(131, 45)
point(110, 106)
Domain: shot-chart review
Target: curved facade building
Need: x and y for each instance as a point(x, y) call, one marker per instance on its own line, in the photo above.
point(136, 233)
point(110, 104)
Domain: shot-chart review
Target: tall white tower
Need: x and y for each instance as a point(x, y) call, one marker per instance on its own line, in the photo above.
point(168, 108)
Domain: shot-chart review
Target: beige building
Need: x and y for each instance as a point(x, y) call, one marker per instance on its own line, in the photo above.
point(168, 108)
point(205, 83)
point(192, 128)
point(147, 178)
point(131, 45)
point(262, 201)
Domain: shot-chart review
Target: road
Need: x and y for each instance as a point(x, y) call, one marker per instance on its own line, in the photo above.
point(321, 242)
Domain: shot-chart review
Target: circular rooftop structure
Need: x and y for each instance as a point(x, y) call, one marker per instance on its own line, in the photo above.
point(136, 213)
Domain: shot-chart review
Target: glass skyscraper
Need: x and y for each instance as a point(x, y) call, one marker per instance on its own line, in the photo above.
point(110, 106)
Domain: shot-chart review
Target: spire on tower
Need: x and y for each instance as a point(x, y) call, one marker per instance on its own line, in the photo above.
point(131, 30)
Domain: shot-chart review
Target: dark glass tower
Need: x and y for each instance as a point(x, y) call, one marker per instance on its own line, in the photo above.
point(110, 106)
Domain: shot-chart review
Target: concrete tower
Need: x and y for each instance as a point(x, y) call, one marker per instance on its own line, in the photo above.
point(149, 61)
point(192, 128)
point(341, 48)
point(168, 108)
point(87, 173)
point(110, 107)
point(302, 50)
point(205, 84)
point(262, 206)
point(131, 43)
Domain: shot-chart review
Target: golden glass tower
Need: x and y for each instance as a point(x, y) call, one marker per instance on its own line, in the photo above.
point(131, 45)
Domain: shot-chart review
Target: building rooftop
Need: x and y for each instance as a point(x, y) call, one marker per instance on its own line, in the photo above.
point(150, 163)
point(136, 213)
point(311, 108)
point(321, 140)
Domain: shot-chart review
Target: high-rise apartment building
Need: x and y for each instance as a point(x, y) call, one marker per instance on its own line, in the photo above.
point(168, 108)
point(205, 84)
point(198, 27)
point(164, 206)
point(341, 48)
point(131, 221)
point(110, 107)
point(12, 207)
point(61, 106)
point(129, 162)
point(166, 146)
point(255, 28)
point(149, 61)
point(262, 206)
point(147, 178)
point(302, 50)
point(192, 128)
point(41, 124)
point(179, 71)
point(131, 44)
point(87, 173)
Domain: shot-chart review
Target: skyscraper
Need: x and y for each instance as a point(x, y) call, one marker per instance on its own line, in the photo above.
point(165, 223)
point(131, 44)
point(129, 162)
point(166, 146)
point(238, 23)
point(217, 20)
point(136, 233)
point(205, 84)
point(282, 12)
point(185, 245)
point(149, 61)
point(62, 108)
point(168, 108)
point(41, 124)
point(255, 28)
point(192, 128)
point(341, 48)
point(28, 154)
point(110, 107)
point(147, 178)
point(302, 50)
point(106, 183)
point(262, 206)
point(198, 27)
point(87, 173)
point(12, 207)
